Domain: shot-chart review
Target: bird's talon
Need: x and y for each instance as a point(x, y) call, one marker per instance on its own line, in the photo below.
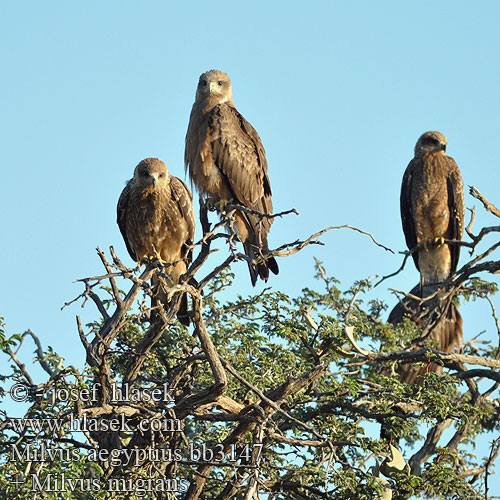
point(221, 206)
point(211, 205)
point(159, 259)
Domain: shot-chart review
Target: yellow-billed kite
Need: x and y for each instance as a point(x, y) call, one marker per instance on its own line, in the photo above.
point(432, 208)
point(227, 164)
point(156, 219)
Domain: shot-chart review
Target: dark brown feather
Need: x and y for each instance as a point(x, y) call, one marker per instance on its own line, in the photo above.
point(456, 202)
point(122, 217)
point(406, 212)
point(447, 332)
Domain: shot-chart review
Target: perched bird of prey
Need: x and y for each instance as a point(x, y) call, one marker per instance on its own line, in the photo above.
point(432, 208)
point(227, 164)
point(443, 319)
point(156, 219)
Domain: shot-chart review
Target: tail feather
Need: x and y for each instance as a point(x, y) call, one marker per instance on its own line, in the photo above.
point(253, 273)
point(272, 265)
point(161, 300)
point(253, 233)
point(447, 331)
point(262, 268)
point(182, 313)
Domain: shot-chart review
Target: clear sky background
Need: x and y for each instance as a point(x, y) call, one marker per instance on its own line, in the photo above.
point(338, 91)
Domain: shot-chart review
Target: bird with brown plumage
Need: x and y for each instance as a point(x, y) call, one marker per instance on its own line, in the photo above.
point(156, 218)
point(227, 163)
point(432, 208)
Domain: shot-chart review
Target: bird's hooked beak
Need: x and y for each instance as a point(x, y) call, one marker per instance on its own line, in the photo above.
point(153, 178)
point(443, 145)
point(213, 87)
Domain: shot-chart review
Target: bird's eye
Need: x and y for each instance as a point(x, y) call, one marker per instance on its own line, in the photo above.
point(220, 83)
point(162, 175)
point(431, 141)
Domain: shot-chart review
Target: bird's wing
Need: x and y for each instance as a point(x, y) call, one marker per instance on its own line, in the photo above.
point(456, 204)
point(184, 199)
point(238, 152)
point(407, 212)
point(121, 216)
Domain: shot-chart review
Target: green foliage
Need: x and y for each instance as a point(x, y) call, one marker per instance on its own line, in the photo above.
point(320, 440)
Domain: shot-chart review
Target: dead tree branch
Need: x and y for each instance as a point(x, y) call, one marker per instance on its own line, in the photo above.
point(487, 204)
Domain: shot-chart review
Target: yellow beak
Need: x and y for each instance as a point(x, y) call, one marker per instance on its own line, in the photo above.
point(213, 87)
point(153, 179)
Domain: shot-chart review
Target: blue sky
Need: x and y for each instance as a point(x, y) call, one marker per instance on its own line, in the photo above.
point(339, 92)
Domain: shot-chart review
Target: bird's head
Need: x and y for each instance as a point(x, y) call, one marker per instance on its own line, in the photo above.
point(430, 142)
point(151, 171)
point(215, 86)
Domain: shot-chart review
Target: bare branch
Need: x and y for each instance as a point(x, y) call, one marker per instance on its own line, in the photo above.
point(261, 215)
point(112, 281)
point(487, 204)
point(468, 229)
point(285, 389)
point(39, 352)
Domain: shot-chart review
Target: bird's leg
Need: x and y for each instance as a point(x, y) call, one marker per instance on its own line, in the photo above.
point(433, 243)
point(217, 206)
point(211, 204)
point(157, 257)
point(143, 260)
point(221, 206)
point(149, 259)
